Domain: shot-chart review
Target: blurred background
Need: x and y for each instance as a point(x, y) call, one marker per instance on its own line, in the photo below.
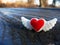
point(30, 3)
point(12, 32)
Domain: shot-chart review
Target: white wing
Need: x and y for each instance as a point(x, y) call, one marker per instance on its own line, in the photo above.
point(49, 24)
point(26, 23)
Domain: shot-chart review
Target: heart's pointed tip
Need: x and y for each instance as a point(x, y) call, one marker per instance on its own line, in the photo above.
point(39, 30)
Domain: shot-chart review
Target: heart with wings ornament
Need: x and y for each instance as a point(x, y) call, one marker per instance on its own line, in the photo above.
point(38, 24)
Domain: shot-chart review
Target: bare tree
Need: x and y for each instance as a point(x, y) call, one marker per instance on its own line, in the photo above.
point(40, 3)
point(31, 1)
point(54, 1)
point(43, 3)
point(0, 1)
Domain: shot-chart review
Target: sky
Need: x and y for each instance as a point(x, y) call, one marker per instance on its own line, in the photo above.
point(8, 1)
point(36, 1)
point(11, 1)
point(50, 2)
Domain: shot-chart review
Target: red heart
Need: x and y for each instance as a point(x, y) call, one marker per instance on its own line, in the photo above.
point(37, 24)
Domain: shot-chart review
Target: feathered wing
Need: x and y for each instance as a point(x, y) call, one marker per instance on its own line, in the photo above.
point(26, 23)
point(49, 24)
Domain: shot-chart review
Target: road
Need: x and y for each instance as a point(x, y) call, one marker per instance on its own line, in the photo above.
point(12, 32)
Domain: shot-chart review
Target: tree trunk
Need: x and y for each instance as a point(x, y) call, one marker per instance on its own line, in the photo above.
point(54, 2)
point(43, 3)
point(40, 3)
